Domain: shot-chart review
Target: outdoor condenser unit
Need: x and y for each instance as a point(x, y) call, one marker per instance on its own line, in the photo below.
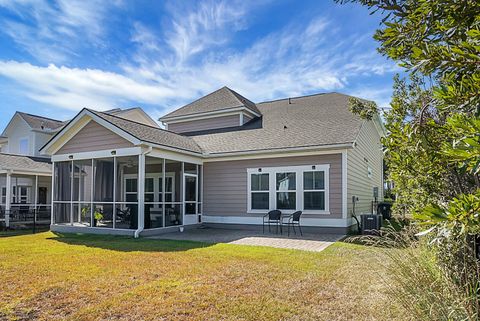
point(371, 224)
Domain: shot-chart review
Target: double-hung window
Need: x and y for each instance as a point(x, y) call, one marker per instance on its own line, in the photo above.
point(259, 191)
point(286, 191)
point(292, 188)
point(314, 190)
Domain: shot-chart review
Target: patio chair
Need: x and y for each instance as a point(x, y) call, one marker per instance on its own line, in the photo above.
point(272, 217)
point(293, 220)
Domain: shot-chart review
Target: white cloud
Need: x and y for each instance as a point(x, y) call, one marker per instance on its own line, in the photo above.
point(195, 53)
point(50, 31)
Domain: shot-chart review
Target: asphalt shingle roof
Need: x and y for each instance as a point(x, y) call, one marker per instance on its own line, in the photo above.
point(151, 134)
point(28, 163)
point(223, 98)
point(36, 122)
point(322, 119)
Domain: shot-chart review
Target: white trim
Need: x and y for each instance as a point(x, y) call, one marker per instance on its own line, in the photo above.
point(176, 156)
point(226, 114)
point(65, 135)
point(130, 151)
point(21, 171)
point(344, 183)
point(298, 170)
point(204, 114)
point(281, 152)
point(240, 123)
point(257, 220)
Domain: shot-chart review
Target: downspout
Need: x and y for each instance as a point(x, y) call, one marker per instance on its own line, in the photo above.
point(141, 227)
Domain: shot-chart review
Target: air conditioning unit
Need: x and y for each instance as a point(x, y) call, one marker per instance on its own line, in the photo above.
point(371, 224)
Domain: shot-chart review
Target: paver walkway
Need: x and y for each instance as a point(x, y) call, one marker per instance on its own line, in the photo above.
point(308, 242)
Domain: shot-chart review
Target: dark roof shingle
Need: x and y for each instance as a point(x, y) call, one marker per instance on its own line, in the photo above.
point(317, 120)
point(27, 163)
point(36, 122)
point(223, 98)
point(151, 134)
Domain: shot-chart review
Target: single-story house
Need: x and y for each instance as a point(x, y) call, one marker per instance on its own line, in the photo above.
point(221, 160)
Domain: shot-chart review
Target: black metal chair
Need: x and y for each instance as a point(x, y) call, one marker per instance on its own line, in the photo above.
point(272, 217)
point(293, 220)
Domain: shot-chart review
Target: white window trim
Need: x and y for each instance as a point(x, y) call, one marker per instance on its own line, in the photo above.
point(272, 171)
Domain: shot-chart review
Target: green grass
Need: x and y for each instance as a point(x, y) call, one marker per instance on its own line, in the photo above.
point(80, 277)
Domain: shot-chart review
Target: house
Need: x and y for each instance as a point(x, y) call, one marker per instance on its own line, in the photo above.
point(25, 174)
point(221, 160)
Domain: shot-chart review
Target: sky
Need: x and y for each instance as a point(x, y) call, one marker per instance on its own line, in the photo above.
point(57, 57)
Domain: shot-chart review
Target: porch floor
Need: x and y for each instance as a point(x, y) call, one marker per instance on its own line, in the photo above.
point(308, 242)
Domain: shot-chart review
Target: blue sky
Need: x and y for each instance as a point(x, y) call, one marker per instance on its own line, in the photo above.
point(58, 57)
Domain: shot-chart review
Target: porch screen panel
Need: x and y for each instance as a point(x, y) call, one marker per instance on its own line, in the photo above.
point(191, 183)
point(103, 209)
point(63, 181)
point(126, 193)
point(62, 190)
point(3, 193)
point(82, 191)
point(154, 195)
point(173, 201)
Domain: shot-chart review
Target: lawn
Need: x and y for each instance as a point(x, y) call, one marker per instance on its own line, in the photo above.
point(79, 277)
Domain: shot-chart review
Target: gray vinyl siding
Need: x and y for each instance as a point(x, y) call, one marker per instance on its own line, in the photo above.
point(204, 124)
point(94, 137)
point(367, 152)
point(225, 183)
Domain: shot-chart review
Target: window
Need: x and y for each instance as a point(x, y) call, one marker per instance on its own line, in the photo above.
point(23, 146)
point(289, 189)
point(286, 191)
point(314, 190)
point(259, 189)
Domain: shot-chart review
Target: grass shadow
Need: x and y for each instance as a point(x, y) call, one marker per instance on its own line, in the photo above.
point(20, 232)
point(126, 244)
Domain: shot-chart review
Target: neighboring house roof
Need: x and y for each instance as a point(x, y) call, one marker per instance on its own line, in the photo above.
point(25, 163)
point(130, 112)
point(151, 134)
point(221, 99)
point(36, 122)
point(309, 121)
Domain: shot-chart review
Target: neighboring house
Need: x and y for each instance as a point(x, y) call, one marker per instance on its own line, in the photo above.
point(25, 174)
point(223, 160)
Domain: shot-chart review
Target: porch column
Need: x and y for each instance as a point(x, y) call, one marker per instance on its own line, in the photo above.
point(36, 198)
point(8, 199)
point(141, 191)
point(52, 220)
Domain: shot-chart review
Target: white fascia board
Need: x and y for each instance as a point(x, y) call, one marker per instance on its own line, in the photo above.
point(130, 151)
point(284, 152)
point(181, 157)
point(23, 171)
point(201, 117)
point(211, 113)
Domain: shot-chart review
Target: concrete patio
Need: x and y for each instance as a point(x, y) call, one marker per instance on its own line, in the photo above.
point(314, 242)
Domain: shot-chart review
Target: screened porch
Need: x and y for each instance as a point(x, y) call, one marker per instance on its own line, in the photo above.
point(126, 192)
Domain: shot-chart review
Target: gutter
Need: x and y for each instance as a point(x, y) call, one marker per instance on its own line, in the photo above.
point(141, 227)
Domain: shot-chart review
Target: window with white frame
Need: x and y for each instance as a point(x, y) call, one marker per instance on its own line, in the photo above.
point(314, 190)
point(259, 191)
point(289, 189)
point(23, 147)
point(286, 191)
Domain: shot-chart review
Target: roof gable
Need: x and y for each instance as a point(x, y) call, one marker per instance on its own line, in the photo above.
point(219, 100)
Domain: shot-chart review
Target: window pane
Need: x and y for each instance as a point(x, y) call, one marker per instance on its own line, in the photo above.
point(314, 200)
point(286, 200)
point(286, 181)
point(149, 198)
point(131, 198)
point(319, 180)
point(260, 201)
point(149, 185)
point(131, 185)
point(308, 180)
point(259, 182)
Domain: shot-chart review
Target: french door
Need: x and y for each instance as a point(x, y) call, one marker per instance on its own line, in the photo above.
point(190, 188)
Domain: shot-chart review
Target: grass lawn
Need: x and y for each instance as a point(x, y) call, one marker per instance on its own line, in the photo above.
point(78, 277)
